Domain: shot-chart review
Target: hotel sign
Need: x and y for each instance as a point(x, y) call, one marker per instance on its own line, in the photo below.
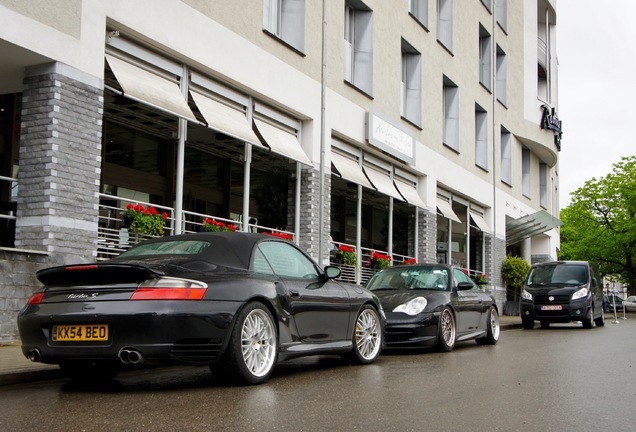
point(550, 121)
point(390, 137)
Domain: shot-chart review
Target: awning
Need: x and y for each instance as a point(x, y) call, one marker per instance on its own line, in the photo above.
point(149, 88)
point(530, 226)
point(480, 222)
point(409, 192)
point(350, 170)
point(382, 183)
point(282, 142)
point(447, 210)
point(225, 119)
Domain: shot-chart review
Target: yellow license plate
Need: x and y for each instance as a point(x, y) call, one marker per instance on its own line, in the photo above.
point(81, 332)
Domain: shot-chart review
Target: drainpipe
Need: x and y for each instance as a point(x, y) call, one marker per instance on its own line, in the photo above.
point(321, 210)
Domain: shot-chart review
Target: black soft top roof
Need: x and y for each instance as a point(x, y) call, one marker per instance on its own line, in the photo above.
point(229, 249)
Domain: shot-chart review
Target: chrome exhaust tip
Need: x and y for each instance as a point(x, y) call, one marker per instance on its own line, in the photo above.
point(35, 355)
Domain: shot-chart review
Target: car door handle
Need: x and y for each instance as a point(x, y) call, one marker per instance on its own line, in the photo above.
point(294, 293)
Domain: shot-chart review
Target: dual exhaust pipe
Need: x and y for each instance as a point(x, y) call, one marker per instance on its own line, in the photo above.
point(131, 356)
point(126, 355)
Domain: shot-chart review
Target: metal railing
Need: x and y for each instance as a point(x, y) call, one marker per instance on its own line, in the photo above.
point(114, 236)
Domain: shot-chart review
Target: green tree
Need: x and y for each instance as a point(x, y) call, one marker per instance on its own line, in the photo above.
point(513, 271)
point(599, 223)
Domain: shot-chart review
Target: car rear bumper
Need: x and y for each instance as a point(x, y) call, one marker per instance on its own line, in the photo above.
point(189, 332)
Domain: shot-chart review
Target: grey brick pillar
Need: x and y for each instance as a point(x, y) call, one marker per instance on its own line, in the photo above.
point(310, 229)
point(427, 236)
point(60, 163)
point(493, 269)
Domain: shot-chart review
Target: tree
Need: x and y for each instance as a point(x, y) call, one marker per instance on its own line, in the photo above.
point(599, 224)
point(513, 271)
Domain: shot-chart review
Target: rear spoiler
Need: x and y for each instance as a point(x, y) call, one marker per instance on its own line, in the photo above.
point(95, 274)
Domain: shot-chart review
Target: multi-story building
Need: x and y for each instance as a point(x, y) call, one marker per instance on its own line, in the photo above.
point(422, 129)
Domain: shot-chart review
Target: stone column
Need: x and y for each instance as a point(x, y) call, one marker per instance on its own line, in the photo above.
point(427, 233)
point(60, 163)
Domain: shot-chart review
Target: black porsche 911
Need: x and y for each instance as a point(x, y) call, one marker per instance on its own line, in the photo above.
point(434, 305)
point(236, 301)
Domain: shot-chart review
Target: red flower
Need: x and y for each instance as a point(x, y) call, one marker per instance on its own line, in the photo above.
point(344, 248)
point(129, 206)
point(164, 215)
point(410, 261)
point(152, 210)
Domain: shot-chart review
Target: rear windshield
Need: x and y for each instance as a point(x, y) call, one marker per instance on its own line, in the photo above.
point(565, 274)
point(187, 247)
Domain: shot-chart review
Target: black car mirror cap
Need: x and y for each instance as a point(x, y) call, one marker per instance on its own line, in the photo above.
point(332, 272)
point(463, 286)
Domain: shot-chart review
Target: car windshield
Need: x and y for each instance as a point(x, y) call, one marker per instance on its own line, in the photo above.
point(563, 274)
point(409, 278)
point(187, 247)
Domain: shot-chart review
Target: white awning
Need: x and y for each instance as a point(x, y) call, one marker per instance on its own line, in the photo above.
point(447, 210)
point(382, 183)
point(152, 89)
point(282, 142)
point(225, 119)
point(530, 226)
point(480, 222)
point(409, 192)
point(350, 170)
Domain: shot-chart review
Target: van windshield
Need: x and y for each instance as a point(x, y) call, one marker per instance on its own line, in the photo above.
point(558, 274)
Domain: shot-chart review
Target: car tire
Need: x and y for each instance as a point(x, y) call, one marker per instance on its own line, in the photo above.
point(367, 337)
point(253, 347)
point(588, 322)
point(527, 324)
point(81, 370)
point(446, 330)
point(600, 321)
point(492, 329)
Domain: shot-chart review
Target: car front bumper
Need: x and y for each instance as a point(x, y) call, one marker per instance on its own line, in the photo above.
point(417, 331)
point(575, 310)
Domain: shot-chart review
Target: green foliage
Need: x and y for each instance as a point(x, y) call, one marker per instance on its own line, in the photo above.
point(599, 224)
point(513, 271)
point(145, 220)
point(347, 255)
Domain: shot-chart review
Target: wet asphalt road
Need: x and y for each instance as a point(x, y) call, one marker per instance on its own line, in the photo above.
point(561, 379)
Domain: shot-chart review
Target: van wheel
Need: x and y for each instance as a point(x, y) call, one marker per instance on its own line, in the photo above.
point(527, 324)
point(600, 321)
point(588, 322)
point(544, 324)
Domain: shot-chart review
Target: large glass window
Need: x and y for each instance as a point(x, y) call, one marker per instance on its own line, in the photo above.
point(481, 137)
point(451, 114)
point(502, 76)
point(419, 10)
point(485, 57)
point(445, 23)
point(411, 84)
point(506, 156)
point(543, 185)
point(358, 45)
point(285, 19)
point(525, 172)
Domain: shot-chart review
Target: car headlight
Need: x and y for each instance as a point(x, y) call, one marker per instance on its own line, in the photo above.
point(525, 295)
point(580, 294)
point(412, 307)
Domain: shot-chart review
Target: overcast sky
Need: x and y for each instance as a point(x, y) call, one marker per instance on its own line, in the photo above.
point(596, 50)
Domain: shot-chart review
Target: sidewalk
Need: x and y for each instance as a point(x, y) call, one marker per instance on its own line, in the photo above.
point(15, 368)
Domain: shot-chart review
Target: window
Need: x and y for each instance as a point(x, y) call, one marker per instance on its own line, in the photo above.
point(285, 19)
point(445, 23)
point(419, 10)
point(411, 84)
point(485, 58)
point(501, 13)
point(285, 260)
point(506, 156)
point(502, 76)
point(525, 172)
point(451, 114)
point(358, 45)
point(481, 137)
point(487, 4)
point(543, 185)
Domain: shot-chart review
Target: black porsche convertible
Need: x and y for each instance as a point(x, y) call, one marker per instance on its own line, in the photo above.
point(238, 302)
point(434, 305)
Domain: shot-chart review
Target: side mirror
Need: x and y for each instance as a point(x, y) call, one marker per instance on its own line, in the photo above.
point(463, 286)
point(332, 272)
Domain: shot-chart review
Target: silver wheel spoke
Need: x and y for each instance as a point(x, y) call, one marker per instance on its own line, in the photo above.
point(367, 335)
point(258, 342)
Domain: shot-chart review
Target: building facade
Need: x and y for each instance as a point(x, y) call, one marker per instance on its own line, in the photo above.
point(421, 130)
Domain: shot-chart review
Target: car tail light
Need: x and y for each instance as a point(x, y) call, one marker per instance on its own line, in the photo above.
point(36, 298)
point(170, 289)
